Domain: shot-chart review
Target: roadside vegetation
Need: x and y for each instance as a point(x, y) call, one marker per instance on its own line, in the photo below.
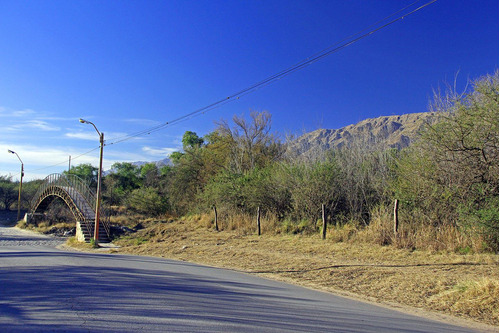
point(446, 183)
point(444, 255)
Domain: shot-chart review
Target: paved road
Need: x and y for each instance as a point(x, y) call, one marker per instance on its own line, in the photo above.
point(46, 289)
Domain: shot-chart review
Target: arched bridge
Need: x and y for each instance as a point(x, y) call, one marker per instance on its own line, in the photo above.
point(80, 199)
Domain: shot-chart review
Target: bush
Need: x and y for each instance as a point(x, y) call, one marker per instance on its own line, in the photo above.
point(147, 200)
point(450, 177)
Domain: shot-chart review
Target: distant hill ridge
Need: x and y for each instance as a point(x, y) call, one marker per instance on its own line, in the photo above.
point(386, 132)
point(164, 162)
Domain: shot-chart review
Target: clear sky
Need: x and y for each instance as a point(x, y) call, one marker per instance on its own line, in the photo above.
point(131, 65)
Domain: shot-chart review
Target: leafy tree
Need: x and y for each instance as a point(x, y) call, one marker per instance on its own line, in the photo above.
point(86, 172)
point(186, 181)
point(190, 140)
point(149, 175)
point(117, 185)
point(314, 184)
point(8, 193)
point(451, 175)
point(175, 157)
point(147, 200)
point(238, 165)
point(245, 192)
point(193, 169)
point(29, 190)
point(127, 176)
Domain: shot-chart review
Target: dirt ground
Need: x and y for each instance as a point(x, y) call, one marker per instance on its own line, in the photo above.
point(447, 286)
point(440, 284)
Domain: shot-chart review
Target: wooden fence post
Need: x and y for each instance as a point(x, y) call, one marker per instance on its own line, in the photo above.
point(258, 220)
point(396, 220)
point(323, 216)
point(216, 224)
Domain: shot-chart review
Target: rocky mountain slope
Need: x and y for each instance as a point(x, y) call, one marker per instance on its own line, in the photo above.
point(383, 132)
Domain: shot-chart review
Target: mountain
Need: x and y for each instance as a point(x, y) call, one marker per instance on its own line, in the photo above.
point(159, 164)
point(382, 132)
point(385, 132)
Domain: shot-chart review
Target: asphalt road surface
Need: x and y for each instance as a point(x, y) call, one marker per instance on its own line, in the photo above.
point(43, 289)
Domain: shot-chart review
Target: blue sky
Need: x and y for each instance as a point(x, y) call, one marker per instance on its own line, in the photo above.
point(131, 65)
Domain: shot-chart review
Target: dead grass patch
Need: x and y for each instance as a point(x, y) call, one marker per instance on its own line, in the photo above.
point(45, 227)
point(476, 298)
point(416, 234)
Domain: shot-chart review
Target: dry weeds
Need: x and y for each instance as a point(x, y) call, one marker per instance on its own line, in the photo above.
point(461, 285)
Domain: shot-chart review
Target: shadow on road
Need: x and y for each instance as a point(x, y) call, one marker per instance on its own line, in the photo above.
point(96, 292)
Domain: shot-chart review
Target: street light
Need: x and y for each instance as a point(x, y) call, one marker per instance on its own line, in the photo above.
point(20, 184)
point(98, 202)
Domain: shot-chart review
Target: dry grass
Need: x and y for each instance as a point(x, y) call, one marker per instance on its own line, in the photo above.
point(73, 243)
point(415, 234)
point(476, 298)
point(44, 226)
point(464, 285)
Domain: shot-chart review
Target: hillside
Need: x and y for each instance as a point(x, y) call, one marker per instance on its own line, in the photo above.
point(386, 132)
point(161, 163)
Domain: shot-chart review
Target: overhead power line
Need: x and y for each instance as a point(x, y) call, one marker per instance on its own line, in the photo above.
point(63, 162)
point(379, 25)
point(354, 38)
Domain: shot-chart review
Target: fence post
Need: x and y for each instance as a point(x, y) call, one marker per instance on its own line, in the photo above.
point(258, 220)
point(396, 220)
point(216, 224)
point(323, 216)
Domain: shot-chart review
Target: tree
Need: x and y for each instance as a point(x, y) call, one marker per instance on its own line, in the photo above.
point(252, 144)
point(127, 176)
point(451, 175)
point(86, 172)
point(29, 190)
point(147, 200)
point(8, 193)
point(150, 175)
point(364, 174)
point(175, 157)
point(313, 184)
point(124, 178)
point(190, 140)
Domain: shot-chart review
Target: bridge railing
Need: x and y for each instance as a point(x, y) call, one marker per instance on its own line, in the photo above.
point(78, 190)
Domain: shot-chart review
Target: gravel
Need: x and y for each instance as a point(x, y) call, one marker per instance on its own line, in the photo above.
point(11, 236)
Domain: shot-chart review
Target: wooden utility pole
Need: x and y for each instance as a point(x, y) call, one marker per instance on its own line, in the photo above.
point(323, 216)
point(99, 187)
point(20, 185)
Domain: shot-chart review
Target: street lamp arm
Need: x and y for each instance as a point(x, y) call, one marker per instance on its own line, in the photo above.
point(13, 152)
point(83, 121)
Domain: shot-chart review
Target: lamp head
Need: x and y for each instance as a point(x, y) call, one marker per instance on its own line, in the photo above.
point(10, 151)
point(83, 121)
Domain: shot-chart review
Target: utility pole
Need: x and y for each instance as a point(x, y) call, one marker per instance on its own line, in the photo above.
point(99, 180)
point(20, 184)
point(99, 175)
